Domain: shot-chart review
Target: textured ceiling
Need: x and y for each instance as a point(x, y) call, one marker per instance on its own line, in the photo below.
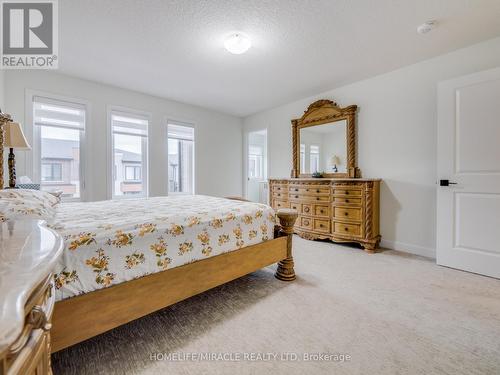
point(174, 49)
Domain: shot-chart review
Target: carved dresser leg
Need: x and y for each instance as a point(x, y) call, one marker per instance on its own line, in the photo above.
point(285, 269)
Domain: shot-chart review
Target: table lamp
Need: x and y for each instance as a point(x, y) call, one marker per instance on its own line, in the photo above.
point(334, 160)
point(14, 139)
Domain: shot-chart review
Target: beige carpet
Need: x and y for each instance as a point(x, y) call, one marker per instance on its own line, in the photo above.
point(392, 313)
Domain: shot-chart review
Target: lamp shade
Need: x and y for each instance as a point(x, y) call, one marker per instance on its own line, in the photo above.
point(334, 160)
point(14, 137)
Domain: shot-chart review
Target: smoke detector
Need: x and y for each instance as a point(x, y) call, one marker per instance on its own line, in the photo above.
point(426, 27)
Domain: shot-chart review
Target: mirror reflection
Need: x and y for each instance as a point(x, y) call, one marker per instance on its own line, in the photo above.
point(323, 148)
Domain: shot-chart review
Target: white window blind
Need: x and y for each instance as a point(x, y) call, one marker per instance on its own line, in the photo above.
point(180, 132)
point(127, 124)
point(57, 113)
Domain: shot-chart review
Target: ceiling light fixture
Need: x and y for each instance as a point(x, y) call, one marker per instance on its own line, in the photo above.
point(426, 27)
point(238, 43)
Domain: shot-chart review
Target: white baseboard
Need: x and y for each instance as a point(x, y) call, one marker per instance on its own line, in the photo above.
point(409, 248)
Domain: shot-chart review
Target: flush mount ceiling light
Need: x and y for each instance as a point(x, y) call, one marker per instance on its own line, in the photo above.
point(237, 43)
point(426, 27)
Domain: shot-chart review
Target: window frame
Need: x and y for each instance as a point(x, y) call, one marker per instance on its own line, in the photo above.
point(33, 164)
point(111, 170)
point(188, 124)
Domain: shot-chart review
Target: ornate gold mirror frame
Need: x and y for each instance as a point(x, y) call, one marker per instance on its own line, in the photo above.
point(323, 112)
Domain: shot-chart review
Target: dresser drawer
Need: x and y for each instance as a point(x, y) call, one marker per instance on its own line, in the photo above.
point(279, 188)
point(321, 210)
point(31, 347)
point(279, 195)
point(342, 228)
point(321, 225)
point(347, 201)
point(356, 192)
point(308, 190)
point(280, 204)
point(305, 222)
point(347, 213)
point(302, 208)
point(310, 198)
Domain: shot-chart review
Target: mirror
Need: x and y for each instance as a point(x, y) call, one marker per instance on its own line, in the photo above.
point(324, 140)
point(323, 148)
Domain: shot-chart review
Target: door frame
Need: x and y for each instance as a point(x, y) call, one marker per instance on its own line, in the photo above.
point(245, 157)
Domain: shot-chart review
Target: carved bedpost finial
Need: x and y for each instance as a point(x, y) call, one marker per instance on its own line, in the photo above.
point(287, 220)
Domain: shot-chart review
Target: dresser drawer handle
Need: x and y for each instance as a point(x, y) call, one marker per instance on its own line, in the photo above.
point(306, 209)
point(346, 213)
point(296, 189)
point(296, 196)
point(306, 222)
point(321, 211)
point(307, 189)
point(321, 225)
point(346, 229)
point(347, 200)
point(279, 195)
point(38, 319)
point(317, 190)
point(317, 198)
point(346, 193)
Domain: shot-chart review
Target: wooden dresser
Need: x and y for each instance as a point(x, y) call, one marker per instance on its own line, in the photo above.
point(28, 252)
point(339, 209)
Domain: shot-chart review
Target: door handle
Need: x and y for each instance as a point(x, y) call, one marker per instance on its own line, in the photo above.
point(446, 183)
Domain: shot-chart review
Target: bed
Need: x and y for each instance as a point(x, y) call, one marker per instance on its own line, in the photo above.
point(125, 259)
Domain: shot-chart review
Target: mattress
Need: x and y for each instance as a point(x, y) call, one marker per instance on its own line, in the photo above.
point(111, 242)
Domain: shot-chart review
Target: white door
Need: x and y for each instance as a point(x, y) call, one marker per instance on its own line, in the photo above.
point(257, 166)
point(468, 212)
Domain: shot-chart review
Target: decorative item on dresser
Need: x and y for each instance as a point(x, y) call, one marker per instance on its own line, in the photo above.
point(28, 254)
point(341, 206)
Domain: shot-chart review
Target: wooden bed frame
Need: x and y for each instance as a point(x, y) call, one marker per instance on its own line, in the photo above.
point(80, 318)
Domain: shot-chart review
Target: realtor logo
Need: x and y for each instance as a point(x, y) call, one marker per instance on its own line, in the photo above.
point(29, 34)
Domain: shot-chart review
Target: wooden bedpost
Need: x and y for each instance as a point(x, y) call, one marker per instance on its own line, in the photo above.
point(4, 119)
point(287, 219)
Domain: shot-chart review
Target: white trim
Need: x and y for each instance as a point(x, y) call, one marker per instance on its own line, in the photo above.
point(187, 123)
point(124, 111)
point(427, 252)
point(33, 163)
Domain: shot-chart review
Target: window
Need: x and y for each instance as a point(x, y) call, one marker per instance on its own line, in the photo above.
point(314, 158)
point(132, 173)
point(59, 130)
point(255, 162)
point(129, 133)
point(52, 172)
point(302, 157)
point(180, 158)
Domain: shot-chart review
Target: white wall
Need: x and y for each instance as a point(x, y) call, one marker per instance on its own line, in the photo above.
point(2, 90)
point(217, 135)
point(396, 130)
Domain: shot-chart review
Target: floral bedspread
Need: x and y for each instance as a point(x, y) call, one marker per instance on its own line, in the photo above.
point(110, 242)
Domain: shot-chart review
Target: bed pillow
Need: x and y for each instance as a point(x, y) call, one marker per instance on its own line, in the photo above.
point(15, 208)
point(45, 198)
